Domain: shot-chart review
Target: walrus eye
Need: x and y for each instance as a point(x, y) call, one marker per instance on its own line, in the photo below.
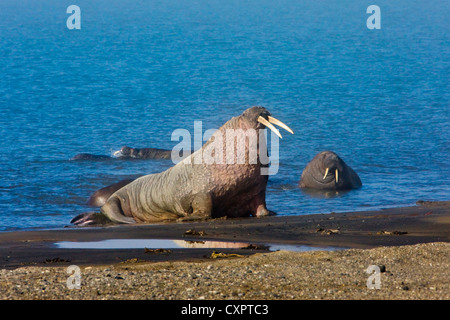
point(271, 127)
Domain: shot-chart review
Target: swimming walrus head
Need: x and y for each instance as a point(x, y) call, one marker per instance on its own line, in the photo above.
point(327, 171)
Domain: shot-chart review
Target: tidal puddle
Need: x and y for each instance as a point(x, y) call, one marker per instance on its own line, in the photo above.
point(147, 243)
point(300, 248)
point(180, 244)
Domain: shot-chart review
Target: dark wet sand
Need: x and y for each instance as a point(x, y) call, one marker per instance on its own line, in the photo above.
point(424, 223)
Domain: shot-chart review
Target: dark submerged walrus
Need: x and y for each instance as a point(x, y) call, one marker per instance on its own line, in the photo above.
point(327, 171)
point(100, 196)
point(88, 156)
point(195, 189)
point(128, 153)
point(144, 153)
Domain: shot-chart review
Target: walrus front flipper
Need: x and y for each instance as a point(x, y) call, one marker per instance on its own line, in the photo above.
point(262, 211)
point(201, 208)
point(202, 205)
point(90, 219)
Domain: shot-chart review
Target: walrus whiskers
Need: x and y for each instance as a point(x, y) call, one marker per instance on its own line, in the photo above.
point(336, 174)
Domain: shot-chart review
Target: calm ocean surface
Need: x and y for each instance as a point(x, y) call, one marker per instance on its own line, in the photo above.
point(138, 70)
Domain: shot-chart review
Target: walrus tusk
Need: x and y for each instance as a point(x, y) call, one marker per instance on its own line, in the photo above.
point(326, 173)
point(117, 153)
point(337, 175)
point(279, 123)
point(269, 125)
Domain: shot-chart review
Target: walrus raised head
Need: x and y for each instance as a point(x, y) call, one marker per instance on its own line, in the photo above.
point(327, 171)
point(223, 178)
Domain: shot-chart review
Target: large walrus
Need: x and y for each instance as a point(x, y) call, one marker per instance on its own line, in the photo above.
point(327, 171)
point(223, 178)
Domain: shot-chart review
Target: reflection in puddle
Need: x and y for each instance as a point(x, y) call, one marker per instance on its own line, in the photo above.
point(210, 244)
point(179, 244)
point(147, 243)
point(300, 248)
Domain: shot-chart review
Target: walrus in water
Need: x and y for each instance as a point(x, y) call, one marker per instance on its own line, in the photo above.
point(128, 153)
point(100, 196)
point(144, 153)
point(197, 188)
point(88, 156)
point(327, 171)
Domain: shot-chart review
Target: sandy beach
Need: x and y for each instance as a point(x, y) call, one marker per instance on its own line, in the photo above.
point(409, 245)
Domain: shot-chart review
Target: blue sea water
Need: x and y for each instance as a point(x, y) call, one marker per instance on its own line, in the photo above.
point(137, 70)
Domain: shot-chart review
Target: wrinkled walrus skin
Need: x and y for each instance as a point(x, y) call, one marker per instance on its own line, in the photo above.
point(327, 171)
point(192, 190)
